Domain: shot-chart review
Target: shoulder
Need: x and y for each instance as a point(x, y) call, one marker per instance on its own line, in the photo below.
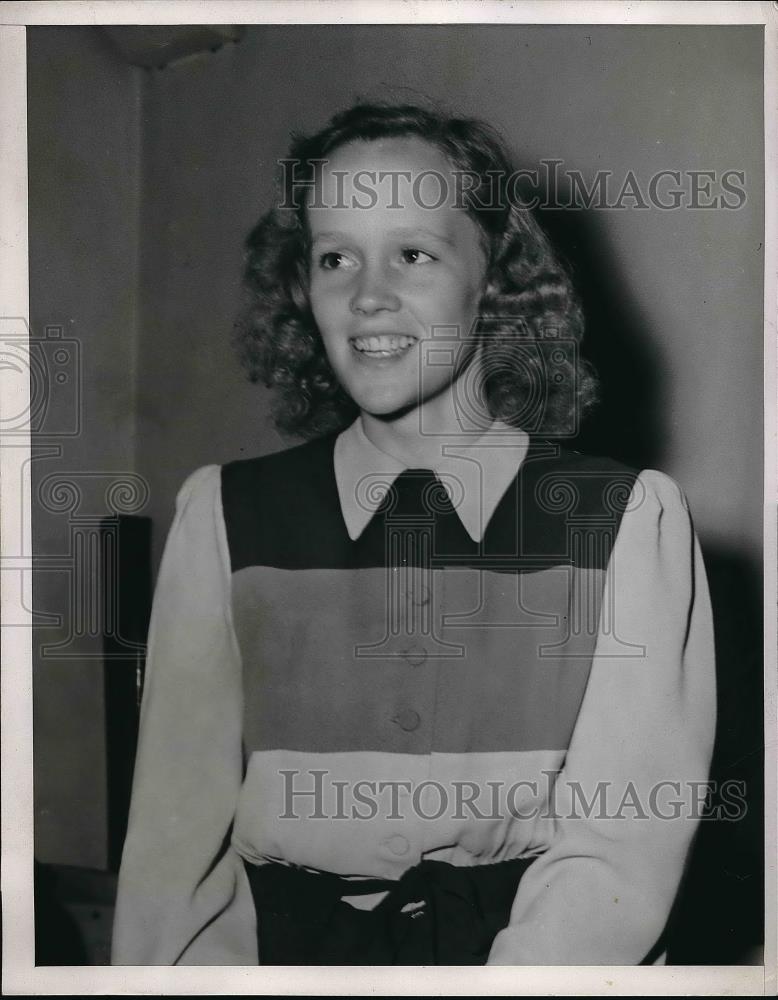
point(279, 470)
point(573, 484)
point(548, 458)
point(273, 499)
point(655, 487)
point(595, 481)
point(657, 514)
point(199, 486)
point(564, 491)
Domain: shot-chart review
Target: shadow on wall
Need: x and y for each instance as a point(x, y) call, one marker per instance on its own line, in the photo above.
point(719, 916)
point(627, 424)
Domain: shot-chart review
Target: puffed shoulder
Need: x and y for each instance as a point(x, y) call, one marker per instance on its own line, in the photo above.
point(659, 506)
point(659, 488)
point(203, 482)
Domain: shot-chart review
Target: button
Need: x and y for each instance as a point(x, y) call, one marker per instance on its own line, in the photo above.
point(416, 655)
point(407, 719)
point(397, 845)
point(420, 595)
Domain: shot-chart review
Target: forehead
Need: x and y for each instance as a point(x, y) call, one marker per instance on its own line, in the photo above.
point(384, 181)
point(389, 153)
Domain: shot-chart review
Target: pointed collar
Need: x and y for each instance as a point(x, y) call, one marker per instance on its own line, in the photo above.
point(476, 473)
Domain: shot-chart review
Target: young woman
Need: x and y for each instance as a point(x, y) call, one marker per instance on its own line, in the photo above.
point(431, 687)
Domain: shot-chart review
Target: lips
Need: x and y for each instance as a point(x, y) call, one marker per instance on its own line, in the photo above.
point(383, 345)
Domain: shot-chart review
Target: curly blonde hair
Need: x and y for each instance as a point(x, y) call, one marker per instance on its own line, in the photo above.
point(529, 299)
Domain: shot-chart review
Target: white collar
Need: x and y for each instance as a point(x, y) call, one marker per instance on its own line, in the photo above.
point(476, 472)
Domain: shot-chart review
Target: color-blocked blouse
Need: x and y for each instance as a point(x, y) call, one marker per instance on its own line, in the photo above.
point(353, 666)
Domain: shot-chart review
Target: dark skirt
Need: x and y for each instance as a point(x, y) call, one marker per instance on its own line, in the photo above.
point(436, 914)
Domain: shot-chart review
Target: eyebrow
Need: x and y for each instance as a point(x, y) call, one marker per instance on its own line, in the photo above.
point(335, 234)
point(330, 235)
point(421, 231)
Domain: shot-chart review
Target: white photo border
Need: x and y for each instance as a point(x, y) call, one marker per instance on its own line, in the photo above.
point(20, 976)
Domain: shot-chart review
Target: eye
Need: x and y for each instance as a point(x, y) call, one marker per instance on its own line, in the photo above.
point(332, 261)
point(412, 255)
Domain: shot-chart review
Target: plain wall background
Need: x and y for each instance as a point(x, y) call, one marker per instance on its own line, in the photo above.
point(138, 217)
point(84, 196)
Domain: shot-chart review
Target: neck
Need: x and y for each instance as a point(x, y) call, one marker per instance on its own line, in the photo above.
point(417, 437)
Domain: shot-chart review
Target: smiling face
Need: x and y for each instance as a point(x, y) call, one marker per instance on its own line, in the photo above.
point(386, 267)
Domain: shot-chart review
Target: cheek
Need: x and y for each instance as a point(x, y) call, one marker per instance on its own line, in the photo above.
point(321, 310)
point(460, 307)
point(453, 297)
point(327, 301)
point(472, 297)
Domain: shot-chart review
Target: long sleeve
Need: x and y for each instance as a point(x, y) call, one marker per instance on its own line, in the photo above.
point(183, 896)
point(603, 890)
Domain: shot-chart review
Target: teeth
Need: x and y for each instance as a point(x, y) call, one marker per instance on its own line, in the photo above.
point(383, 346)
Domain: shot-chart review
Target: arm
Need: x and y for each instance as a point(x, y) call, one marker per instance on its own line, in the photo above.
point(602, 892)
point(183, 896)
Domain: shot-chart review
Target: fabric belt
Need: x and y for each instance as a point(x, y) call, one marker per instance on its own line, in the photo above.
point(435, 914)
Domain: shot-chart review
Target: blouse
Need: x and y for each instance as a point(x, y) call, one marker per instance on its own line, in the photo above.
point(353, 666)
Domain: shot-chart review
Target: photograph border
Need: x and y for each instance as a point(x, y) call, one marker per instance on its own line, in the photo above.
point(20, 976)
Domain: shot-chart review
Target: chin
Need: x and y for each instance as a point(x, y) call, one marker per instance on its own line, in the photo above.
point(384, 408)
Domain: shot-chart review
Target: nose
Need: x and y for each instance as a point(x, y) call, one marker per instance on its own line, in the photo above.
point(373, 291)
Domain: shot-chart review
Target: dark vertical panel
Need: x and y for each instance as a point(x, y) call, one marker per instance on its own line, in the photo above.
point(126, 552)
